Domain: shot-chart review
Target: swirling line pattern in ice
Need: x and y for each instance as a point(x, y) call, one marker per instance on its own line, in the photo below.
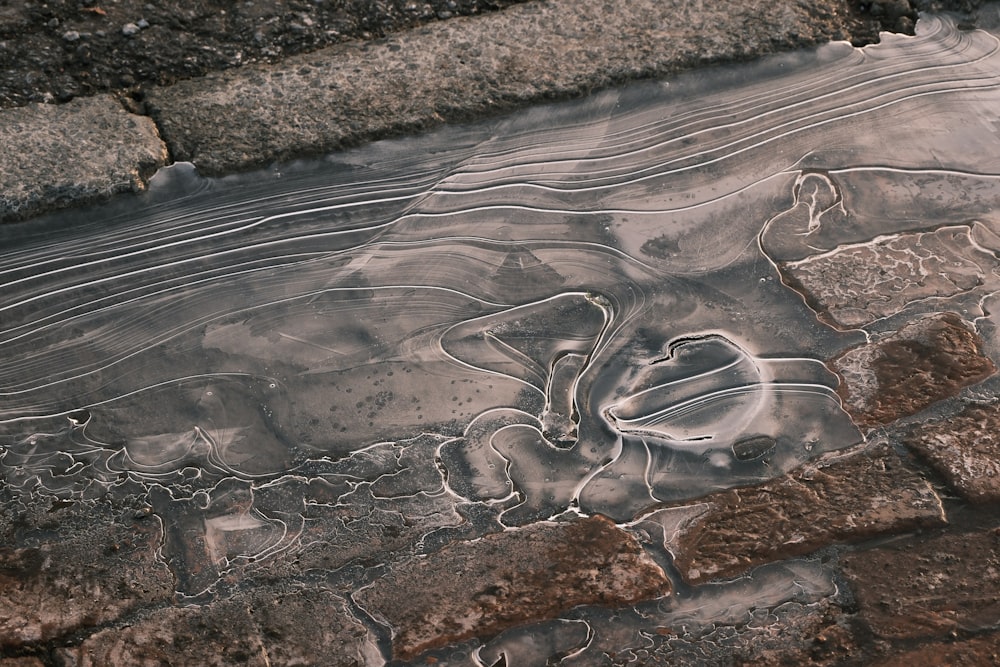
point(580, 308)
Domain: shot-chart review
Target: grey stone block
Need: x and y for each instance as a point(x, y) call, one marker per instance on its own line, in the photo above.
point(462, 68)
point(57, 156)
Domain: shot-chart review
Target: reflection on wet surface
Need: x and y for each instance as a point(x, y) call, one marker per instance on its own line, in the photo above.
point(597, 307)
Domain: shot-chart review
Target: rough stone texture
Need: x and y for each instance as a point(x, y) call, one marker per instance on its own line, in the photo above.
point(928, 587)
point(21, 662)
point(978, 651)
point(965, 450)
point(926, 361)
point(812, 634)
point(858, 284)
point(348, 93)
point(823, 638)
point(59, 50)
point(845, 499)
point(477, 589)
point(343, 95)
point(303, 628)
point(57, 156)
point(80, 581)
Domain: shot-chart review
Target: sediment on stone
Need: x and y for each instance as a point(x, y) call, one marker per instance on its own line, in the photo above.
point(65, 585)
point(983, 650)
point(858, 284)
point(928, 587)
point(926, 361)
point(964, 450)
point(268, 628)
point(479, 588)
point(844, 499)
point(820, 637)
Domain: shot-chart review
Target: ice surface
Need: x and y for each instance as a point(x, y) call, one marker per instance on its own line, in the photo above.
point(597, 306)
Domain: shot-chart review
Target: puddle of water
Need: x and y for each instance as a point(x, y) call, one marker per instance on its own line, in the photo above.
point(592, 307)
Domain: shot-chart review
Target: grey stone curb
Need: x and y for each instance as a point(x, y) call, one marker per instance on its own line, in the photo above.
point(60, 156)
point(465, 67)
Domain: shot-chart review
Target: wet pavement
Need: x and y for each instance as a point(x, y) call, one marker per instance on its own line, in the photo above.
point(695, 371)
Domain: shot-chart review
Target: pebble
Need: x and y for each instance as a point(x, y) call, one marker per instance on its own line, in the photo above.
point(143, 24)
point(130, 29)
point(71, 36)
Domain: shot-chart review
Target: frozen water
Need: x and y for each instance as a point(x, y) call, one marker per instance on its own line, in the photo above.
point(599, 306)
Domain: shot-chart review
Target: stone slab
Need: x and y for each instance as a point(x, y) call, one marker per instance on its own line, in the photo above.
point(479, 588)
point(79, 582)
point(983, 650)
point(928, 360)
point(306, 627)
point(965, 450)
point(467, 67)
point(928, 587)
point(856, 285)
point(71, 154)
point(844, 499)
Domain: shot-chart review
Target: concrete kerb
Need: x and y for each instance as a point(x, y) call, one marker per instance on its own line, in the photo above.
point(88, 149)
point(57, 156)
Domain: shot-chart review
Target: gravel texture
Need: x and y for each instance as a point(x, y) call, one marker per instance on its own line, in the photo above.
point(58, 156)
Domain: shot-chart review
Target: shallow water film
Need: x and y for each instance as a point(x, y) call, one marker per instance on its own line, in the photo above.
point(346, 383)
